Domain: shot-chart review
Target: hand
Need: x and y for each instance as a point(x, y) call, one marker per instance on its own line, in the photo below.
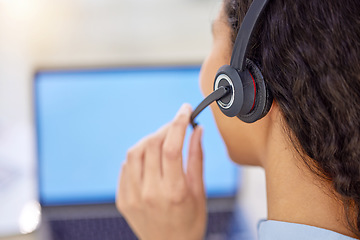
point(156, 197)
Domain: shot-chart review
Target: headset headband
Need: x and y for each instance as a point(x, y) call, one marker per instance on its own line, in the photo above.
point(245, 33)
point(238, 57)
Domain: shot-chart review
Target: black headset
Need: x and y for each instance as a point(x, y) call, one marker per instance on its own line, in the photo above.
point(239, 88)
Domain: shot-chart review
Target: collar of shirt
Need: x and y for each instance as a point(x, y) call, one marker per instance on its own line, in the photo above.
point(276, 230)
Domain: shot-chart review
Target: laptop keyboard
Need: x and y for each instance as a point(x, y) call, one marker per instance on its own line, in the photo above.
point(116, 228)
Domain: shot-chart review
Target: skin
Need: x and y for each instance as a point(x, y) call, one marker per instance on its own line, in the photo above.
point(157, 198)
point(160, 200)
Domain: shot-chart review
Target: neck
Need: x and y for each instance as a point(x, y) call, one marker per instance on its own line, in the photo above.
point(294, 193)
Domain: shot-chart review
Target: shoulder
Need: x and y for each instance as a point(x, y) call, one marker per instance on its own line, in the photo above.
point(271, 230)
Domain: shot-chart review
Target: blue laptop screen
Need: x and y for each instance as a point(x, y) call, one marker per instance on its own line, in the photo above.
point(87, 119)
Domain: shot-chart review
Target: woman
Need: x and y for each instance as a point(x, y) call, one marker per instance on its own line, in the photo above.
point(308, 143)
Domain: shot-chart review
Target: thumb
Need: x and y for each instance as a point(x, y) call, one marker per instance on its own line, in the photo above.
point(194, 173)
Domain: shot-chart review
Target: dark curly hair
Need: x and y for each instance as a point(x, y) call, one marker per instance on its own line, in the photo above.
point(309, 53)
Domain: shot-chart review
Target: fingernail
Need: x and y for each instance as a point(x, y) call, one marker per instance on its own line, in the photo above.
point(185, 109)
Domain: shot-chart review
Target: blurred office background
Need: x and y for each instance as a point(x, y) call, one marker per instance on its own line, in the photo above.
point(38, 34)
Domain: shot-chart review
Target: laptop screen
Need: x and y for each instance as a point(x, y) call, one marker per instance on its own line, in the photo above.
point(87, 119)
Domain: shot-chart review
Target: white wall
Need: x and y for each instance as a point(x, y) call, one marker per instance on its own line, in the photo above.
point(72, 33)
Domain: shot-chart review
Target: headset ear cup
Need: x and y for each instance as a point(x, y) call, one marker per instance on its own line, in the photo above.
point(230, 76)
point(268, 103)
point(263, 100)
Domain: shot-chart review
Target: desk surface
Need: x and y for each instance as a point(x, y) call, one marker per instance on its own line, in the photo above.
point(20, 237)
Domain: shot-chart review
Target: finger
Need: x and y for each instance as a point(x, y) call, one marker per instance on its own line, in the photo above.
point(194, 172)
point(152, 169)
point(173, 144)
point(136, 157)
point(152, 160)
point(122, 189)
point(135, 162)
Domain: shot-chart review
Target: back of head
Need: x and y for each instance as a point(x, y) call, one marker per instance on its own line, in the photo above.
point(309, 52)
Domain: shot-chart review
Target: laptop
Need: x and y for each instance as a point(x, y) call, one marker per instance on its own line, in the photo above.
point(86, 119)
